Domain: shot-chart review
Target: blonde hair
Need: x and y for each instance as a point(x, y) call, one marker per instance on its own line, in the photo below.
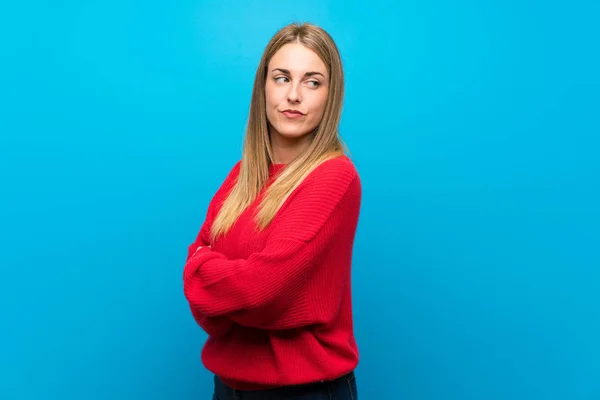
point(257, 155)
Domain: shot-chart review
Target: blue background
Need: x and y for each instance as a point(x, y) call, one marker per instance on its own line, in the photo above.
point(474, 126)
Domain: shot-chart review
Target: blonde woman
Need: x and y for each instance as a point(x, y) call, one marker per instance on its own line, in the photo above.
point(268, 276)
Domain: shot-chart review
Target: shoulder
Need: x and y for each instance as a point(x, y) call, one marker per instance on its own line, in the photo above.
point(232, 176)
point(329, 183)
point(336, 173)
point(338, 165)
point(234, 171)
point(334, 184)
point(229, 181)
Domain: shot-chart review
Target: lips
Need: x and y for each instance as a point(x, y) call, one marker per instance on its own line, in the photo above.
point(292, 114)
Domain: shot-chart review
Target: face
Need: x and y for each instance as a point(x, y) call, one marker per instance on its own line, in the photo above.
point(296, 91)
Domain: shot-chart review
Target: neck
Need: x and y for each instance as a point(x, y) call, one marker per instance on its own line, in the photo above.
point(285, 150)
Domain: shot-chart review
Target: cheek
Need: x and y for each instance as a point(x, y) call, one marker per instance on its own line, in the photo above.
point(272, 106)
point(272, 96)
point(319, 105)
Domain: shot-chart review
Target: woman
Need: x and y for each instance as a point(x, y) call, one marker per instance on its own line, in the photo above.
point(268, 276)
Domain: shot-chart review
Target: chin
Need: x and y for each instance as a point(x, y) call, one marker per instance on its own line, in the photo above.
point(291, 133)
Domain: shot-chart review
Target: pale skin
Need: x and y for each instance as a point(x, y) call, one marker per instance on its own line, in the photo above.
point(297, 81)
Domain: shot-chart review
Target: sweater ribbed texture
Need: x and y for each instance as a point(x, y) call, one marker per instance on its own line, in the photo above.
point(277, 304)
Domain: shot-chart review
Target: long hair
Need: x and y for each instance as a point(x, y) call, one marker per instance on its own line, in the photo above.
point(257, 155)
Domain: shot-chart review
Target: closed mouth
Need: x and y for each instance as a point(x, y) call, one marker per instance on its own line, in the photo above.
point(293, 112)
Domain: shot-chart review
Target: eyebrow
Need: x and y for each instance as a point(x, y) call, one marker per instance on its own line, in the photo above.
point(310, 73)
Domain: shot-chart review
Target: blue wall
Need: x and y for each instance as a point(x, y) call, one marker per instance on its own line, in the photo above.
point(475, 129)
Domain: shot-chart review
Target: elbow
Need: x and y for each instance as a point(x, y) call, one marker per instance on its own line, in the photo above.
point(196, 299)
point(205, 308)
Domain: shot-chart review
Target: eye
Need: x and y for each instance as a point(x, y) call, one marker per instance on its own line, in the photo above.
point(314, 84)
point(281, 79)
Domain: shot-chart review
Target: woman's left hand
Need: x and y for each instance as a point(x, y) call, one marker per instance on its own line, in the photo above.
point(199, 247)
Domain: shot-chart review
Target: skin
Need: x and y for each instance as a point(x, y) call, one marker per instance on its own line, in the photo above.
point(297, 80)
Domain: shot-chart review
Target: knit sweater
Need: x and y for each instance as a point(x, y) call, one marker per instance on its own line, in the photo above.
point(277, 304)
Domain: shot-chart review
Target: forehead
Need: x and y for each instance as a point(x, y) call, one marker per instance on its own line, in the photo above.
point(297, 58)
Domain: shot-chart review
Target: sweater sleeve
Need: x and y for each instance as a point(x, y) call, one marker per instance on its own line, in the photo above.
point(220, 325)
point(213, 326)
point(260, 290)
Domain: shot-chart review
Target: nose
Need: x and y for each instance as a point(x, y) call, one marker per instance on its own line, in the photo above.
point(294, 94)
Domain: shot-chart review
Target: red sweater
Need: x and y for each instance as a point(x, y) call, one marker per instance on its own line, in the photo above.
point(277, 304)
